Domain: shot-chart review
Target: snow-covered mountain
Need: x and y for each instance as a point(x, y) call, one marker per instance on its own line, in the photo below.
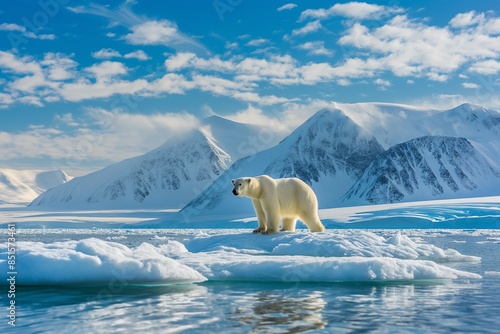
point(22, 186)
point(423, 168)
point(394, 124)
point(329, 152)
point(166, 177)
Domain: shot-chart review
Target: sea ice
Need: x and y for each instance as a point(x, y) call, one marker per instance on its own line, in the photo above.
point(94, 261)
point(289, 257)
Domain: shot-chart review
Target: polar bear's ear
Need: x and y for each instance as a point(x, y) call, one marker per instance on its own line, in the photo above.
point(249, 180)
point(232, 181)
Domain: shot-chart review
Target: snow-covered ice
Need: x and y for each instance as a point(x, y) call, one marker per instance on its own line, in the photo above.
point(241, 256)
point(175, 251)
point(94, 261)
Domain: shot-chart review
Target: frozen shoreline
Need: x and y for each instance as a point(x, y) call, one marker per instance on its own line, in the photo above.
point(483, 212)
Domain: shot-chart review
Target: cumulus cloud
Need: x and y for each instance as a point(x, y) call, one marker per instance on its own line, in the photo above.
point(483, 22)
point(85, 90)
point(410, 48)
point(13, 27)
point(383, 84)
point(106, 53)
point(310, 27)
point(107, 69)
point(354, 10)
point(139, 55)
point(162, 32)
point(316, 48)
point(486, 67)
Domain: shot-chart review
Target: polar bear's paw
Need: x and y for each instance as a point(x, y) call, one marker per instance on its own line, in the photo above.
point(270, 231)
point(260, 230)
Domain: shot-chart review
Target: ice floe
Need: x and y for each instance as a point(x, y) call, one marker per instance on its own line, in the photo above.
point(356, 256)
point(94, 261)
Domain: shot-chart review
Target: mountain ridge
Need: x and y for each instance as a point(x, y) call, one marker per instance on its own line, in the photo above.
point(169, 175)
point(428, 166)
point(330, 151)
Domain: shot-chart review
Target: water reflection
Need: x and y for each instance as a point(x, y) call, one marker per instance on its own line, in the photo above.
point(271, 310)
point(257, 307)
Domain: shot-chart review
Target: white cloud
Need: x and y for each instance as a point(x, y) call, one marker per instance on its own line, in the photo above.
point(139, 54)
point(143, 31)
point(343, 82)
point(383, 83)
point(67, 119)
point(24, 32)
point(103, 135)
point(107, 69)
point(290, 115)
point(354, 10)
point(466, 19)
point(171, 83)
point(162, 32)
point(45, 73)
point(12, 27)
point(410, 48)
point(17, 64)
point(106, 53)
point(31, 100)
point(483, 22)
point(486, 67)
point(30, 83)
point(447, 101)
point(85, 90)
point(257, 42)
point(308, 28)
point(470, 85)
point(287, 6)
point(5, 99)
point(180, 61)
point(316, 48)
point(58, 66)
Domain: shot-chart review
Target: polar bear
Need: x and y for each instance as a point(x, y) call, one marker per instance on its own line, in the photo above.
point(272, 199)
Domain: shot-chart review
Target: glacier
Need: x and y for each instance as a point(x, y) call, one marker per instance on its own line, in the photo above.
point(20, 187)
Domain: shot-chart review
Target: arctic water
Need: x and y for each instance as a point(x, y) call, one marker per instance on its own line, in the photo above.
point(280, 306)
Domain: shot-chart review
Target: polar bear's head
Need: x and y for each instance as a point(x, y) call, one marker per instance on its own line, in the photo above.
point(242, 186)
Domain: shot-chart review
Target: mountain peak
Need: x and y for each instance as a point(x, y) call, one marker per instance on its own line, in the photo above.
point(423, 168)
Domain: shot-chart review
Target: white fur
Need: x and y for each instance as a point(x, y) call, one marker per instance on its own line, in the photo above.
point(275, 199)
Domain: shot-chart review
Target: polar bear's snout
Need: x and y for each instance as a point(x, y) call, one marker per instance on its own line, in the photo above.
point(235, 192)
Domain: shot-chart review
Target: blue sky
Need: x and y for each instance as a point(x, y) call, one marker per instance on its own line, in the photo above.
point(84, 84)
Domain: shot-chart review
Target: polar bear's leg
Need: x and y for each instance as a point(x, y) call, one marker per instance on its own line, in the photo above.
point(272, 216)
point(312, 221)
point(288, 224)
point(261, 217)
